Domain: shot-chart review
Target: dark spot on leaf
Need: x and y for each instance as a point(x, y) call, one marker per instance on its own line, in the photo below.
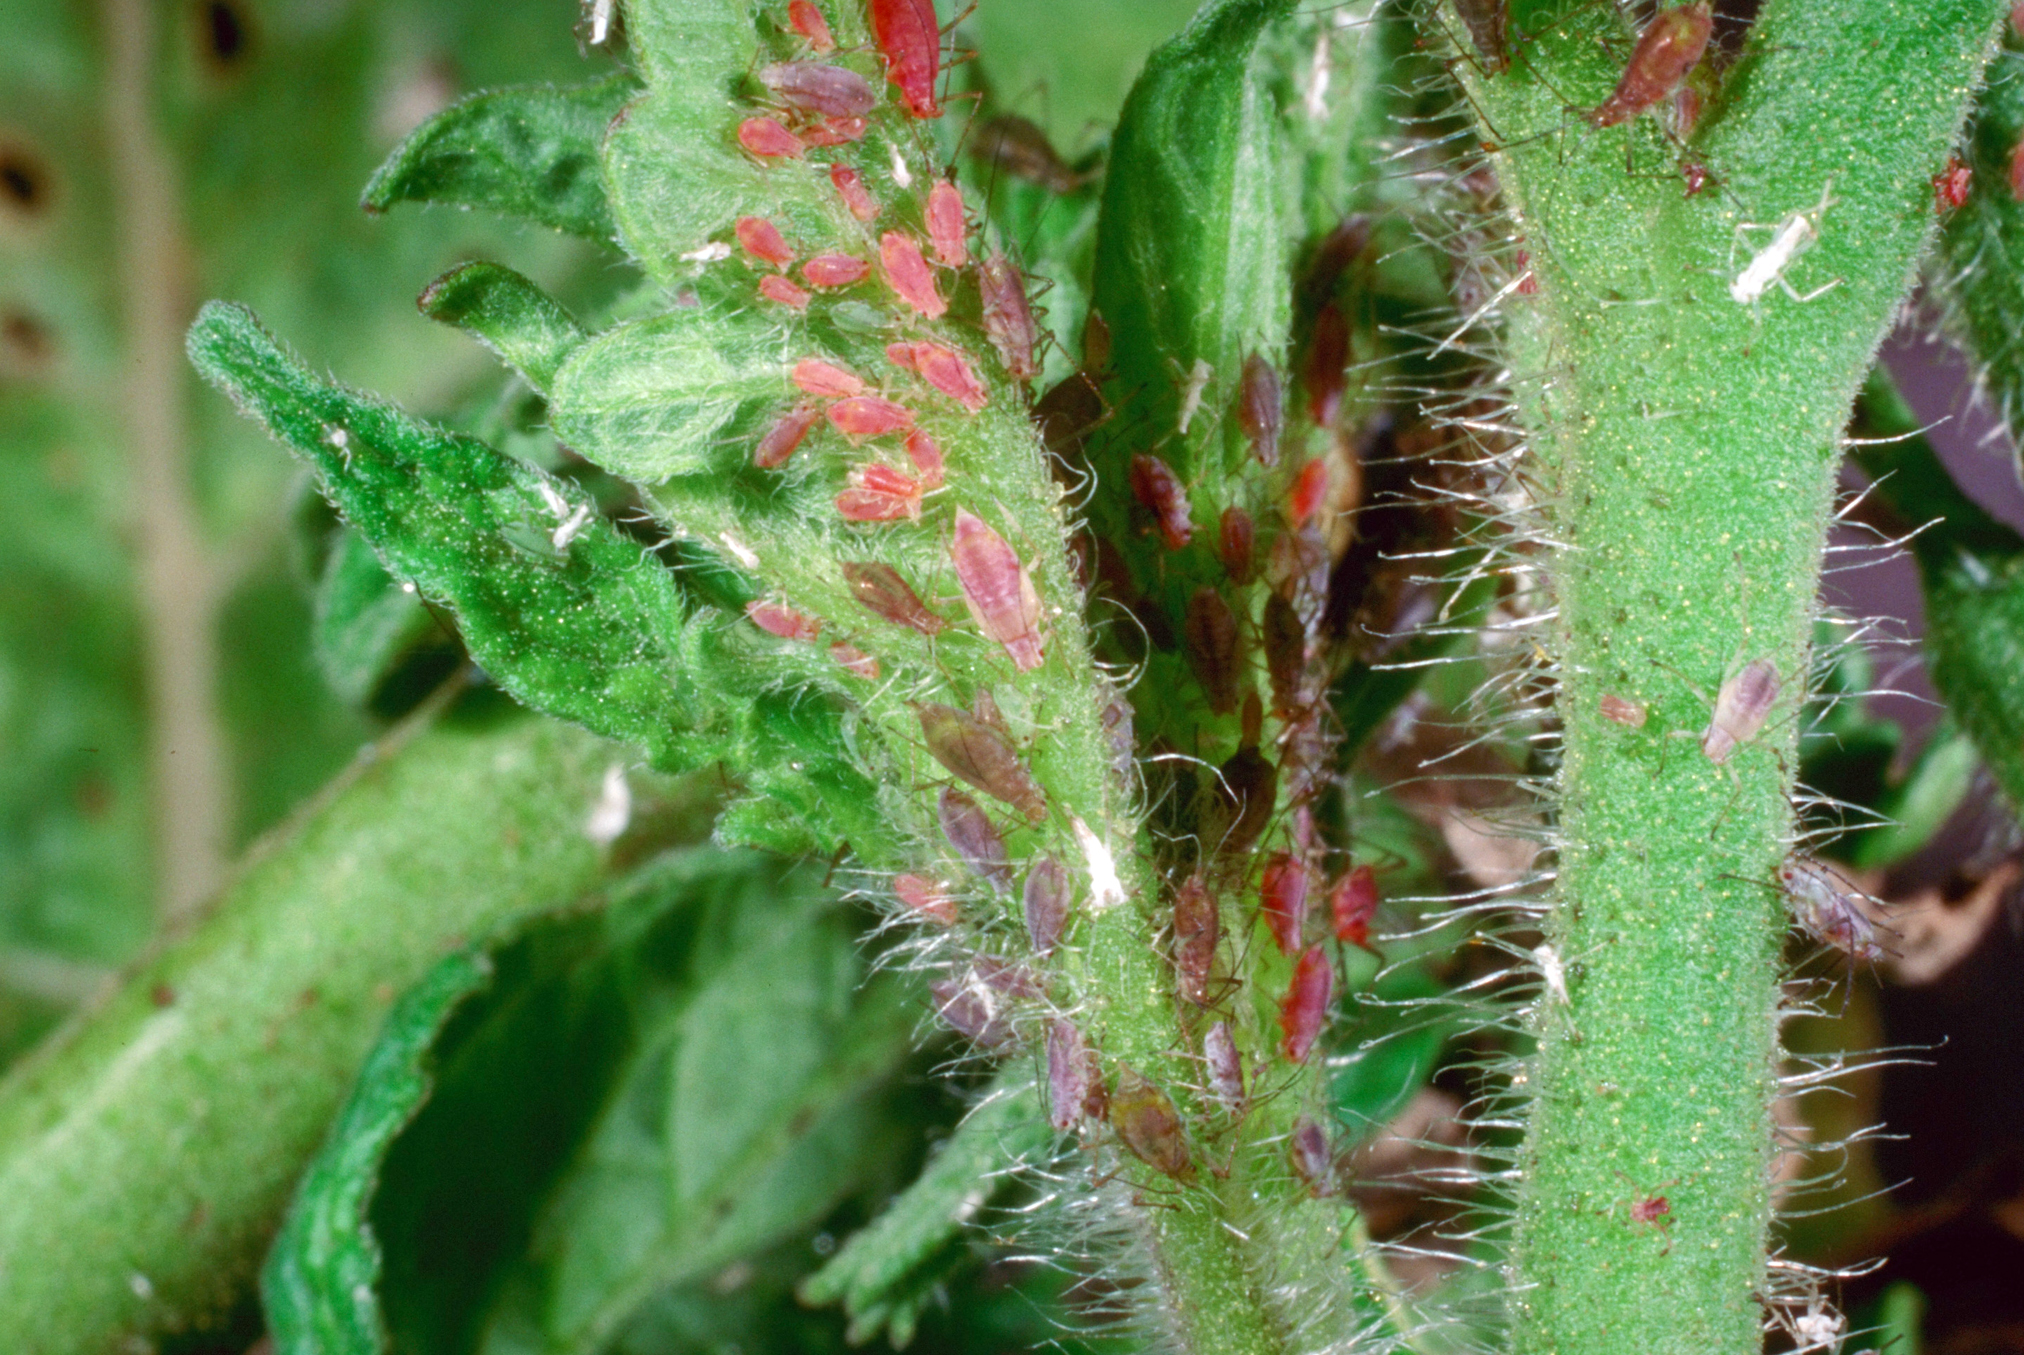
point(162, 995)
point(24, 182)
point(224, 32)
point(24, 343)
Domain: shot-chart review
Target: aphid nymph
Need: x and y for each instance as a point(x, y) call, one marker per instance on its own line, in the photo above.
point(1791, 236)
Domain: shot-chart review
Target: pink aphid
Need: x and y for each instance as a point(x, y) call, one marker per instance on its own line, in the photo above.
point(1160, 492)
point(946, 370)
point(1225, 1066)
point(1828, 908)
point(831, 382)
point(926, 454)
point(851, 189)
point(976, 839)
point(785, 622)
point(1282, 898)
point(1313, 1157)
point(1305, 1007)
point(1741, 708)
point(998, 590)
point(1950, 186)
point(1045, 901)
point(854, 660)
point(767, 139)
point(1259, 409)
point(807, 20)
point(835, 270)
point(1074, 1085)
point(785, 435)
point(869, 416)
point(925, 897)
point(878, 493)
point(881, 589)
point(907, 273)
point(835, 132)
point(819, 88)
point(1309, 492)
point(1352, 903)
point(1008, 318)
point(947, 230)
point(911, 41)
point(776, 288)
point(763, 241)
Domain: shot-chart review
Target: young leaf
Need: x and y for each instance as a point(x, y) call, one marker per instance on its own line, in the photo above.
point(507, 313)
point(367, 626)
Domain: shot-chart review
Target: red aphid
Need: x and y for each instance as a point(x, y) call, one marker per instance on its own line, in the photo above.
point(785, 435)
point(1236, 544)
point(785, 622)
point(1282, 898)
point(881, 589)
point(854, 660)
point(835, 270)
point(1352, 903)
point(776, 288)
point(1950, 186)
point(926, 455)
point(1669, 47)
point(998, 590)
point(946, 370)
point(927, 898)
point(762, 240)
point(851, 189)
point(1259, 411)
point(907, 273)
point(1160, 492)
point(947, 230)
point(911, 40)
point(869, 416)
point(836, 132)
point(1008, 318)
point(1326, 371)
point(767, 139)
point(807, 20)
point(1651, 1209)
point(817, 377)
point(819, 88)
point(1309, 492)
point(1305, 1007)
point(878, 493)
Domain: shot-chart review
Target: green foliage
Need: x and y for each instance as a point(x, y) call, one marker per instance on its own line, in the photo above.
point(527, 328)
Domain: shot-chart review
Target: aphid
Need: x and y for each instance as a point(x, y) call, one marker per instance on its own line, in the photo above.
point(824, 379)
point(1528, 281)
point(785, 622)
point(1019, 147)
point(1225, 1065)
point(1192, 391)
point(1198, 926)
point(835, 131)
point(1695, 173)
point(807, 20)
point(1827, 908)
point(1075, 1087)
point(1352, 903)
point(762, 240)
point(1950, 186)
point(1282, 899)
point(1789, 239)
point(767, 139)
point(835, 270)
point(1045, 901)
point(1343, 246)
point(881, 589)
point(1313, 1157)
point(926, 455)
point(819, 88)
point(869, 416)
point(1246, 786)
point(1326, 371)
point(1116, 718)
point(1210, 633)
point(947, 231)
point(1259, 410)
point(1741, 708)
point(2017, 172)
point(1305, 1006)
point(1651, 1209)
point(1236, 544)
point(1298, 568)
point(1160, 492)
point(1285, 641)
point(911, 41)
point(907, 273)
point(1630, 714)
point(1309, 492)
point(878, 493)
point(1147, 1123)
point(776, 288)
point(785, 435)
point(1669, 47)
point(851, 189)
point(1485, 20)
point(854, 660)
point(1008, 318)
point(998, 590)
point(976, 839)
point(926, 897)
point(946, 370)
point(972, 1009)
point(980, 755)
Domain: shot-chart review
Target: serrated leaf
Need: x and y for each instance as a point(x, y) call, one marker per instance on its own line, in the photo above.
point(509, 314)
point(530, 152)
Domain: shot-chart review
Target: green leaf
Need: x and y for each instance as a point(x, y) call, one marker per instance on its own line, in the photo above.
point(530, 152)
point(507, 313)
point(1919, 805)
point(367, 626)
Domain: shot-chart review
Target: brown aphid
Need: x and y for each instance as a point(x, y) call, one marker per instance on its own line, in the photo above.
point(1095, 342)
point(1485, 20)
point(1828, 908)
point(1018, 146)
point(1285, 655)
point(1670, 46)
point(1260, 409)
point(982, 756)
point(976, 839)
point(1325, 373)
point(1075, 1087)
point(881, 589)
point(1210, 633)
point(1237, 544)
point(1246, 788)
point(1045, 900)
point(1066, 414)
point(972, 1009)
point(1160, 492)
point(1332, 258)
point(1629, 714)
point(1198, 926)
point(1119, 735)
point(1147, 1123)
point(1741, 708)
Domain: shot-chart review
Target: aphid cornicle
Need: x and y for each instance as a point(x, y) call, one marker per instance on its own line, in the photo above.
point(1198, 926)
point(1147, 1124)
point(881, 589)
point(976, 839)
point(1741, 708)
point(1211, 634)
point(980, 755)
point(1670, 46)
point(998, 590)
